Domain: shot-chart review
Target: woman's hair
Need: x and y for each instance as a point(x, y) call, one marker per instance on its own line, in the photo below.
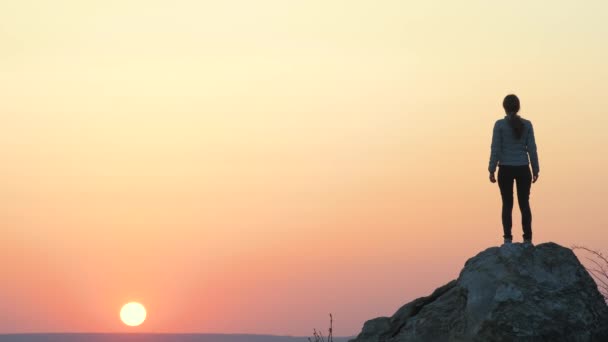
point(511, 106)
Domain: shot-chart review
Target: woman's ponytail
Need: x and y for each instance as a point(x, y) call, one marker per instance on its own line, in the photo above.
point(511, 106)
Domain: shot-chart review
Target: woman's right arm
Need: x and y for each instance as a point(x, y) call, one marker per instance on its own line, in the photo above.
point(531, 145)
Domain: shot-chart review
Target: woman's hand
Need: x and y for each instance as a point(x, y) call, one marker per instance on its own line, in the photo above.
point(534, 178)
point(492, 178)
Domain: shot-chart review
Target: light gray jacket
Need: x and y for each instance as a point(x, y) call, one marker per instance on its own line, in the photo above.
point(507, 150)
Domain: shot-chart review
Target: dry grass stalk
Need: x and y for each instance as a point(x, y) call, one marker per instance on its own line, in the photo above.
point(599, 270)
point(318, 336)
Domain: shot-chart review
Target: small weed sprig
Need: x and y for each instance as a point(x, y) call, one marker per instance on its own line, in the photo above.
point(318, 336)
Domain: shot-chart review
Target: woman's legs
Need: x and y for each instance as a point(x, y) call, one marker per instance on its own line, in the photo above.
point(505, 183)
point(524, 183)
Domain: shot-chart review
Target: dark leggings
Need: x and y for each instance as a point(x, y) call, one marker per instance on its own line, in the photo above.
point(523, 178)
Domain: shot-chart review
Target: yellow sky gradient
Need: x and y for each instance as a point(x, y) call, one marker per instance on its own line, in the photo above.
point(249, 167)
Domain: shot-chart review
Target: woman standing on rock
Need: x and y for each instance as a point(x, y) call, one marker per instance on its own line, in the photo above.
point(512, 142)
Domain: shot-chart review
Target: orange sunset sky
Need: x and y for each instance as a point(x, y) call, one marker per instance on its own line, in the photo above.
point(251, 166)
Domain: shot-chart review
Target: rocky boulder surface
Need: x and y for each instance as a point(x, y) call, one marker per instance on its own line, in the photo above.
point(515, 292)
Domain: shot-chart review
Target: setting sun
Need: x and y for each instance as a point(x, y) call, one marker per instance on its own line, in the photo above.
point(133, 314)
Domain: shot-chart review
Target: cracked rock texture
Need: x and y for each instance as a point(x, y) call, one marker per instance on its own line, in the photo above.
point(509, 293)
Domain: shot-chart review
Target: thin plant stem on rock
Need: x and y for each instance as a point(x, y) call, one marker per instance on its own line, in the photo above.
point(318, 336)
point(599, 268)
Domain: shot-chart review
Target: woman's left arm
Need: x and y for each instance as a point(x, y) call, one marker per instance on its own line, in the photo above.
point(495, 148)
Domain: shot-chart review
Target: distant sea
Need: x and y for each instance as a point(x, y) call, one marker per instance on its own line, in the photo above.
point(155, 338)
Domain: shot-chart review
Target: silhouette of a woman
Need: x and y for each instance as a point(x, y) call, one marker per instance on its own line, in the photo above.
point(512, 143)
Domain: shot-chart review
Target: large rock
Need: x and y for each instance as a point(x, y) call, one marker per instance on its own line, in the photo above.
point(509, 293)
